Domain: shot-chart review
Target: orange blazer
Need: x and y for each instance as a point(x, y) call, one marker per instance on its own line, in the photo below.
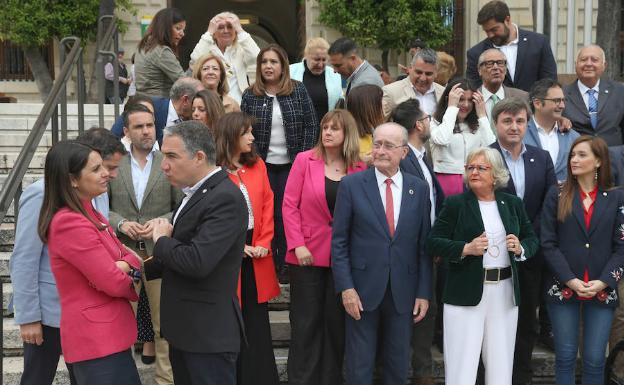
point(261, 196)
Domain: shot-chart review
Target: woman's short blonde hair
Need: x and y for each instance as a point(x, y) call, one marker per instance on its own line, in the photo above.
point(223, 87)
point(315, 43)
point(495, 160)
point(446, 68)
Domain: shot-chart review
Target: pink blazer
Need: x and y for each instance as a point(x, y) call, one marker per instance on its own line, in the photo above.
point(307, 220)
point(96, 316)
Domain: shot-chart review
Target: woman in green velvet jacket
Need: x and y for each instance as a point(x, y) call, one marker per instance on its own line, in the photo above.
point(482, 235)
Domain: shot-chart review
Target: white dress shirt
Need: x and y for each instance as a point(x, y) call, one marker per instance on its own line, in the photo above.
point(397, 190)
point(172, 116)
point(189, 191)
point(510, 50)
point(549, 141)
point(423, 166)
point(140, 176)
point(489, 102)
point(278, 148)
point(427, 100)
point(583, 90)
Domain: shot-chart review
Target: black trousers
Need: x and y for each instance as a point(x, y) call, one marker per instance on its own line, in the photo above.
point(317, 328)
point(41, 361)
point(278, 175)
point(202, 368)
point(256, 362)
point(115, 369)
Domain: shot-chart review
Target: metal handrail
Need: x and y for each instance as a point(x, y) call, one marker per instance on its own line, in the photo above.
point(111, 35)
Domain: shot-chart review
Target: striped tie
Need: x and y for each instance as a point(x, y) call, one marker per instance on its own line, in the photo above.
point(592, 104)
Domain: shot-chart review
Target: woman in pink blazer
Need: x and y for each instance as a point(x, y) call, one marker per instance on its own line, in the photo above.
point(93, 270)
point(316, 314)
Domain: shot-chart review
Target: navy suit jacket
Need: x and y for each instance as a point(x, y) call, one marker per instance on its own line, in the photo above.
point(535, 61)
point(610, 112)
point(616, 154)
point(539, 176)
point(161, 110)
point(366, 257)
point(569, 247)
point(565, 144)
point(410, 165)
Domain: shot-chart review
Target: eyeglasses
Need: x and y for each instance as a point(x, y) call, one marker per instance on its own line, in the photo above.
point(426, 117)
point(490, 63)
point(386, 145)
point(556, 100)
point(480, 168)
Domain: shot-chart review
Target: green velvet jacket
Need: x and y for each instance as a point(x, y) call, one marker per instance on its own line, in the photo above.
point(459, 223)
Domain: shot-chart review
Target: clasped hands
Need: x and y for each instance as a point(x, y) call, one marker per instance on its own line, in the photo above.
point(586, 289)
point(353, 305)
point(154, 228)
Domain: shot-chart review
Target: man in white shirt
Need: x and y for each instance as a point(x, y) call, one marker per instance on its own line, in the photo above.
point(528, 54)
point(419, 84)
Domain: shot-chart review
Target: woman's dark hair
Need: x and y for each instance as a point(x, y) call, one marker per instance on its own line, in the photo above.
point(228, 130)
point(64, 161)
point(364, 103)
point(285, 86)
point(471, 120)
point(159, 30)
point(570, 187)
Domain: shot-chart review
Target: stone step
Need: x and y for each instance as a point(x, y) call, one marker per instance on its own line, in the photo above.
point(5, 256)
point(8, 158)
point(7, 292)
point(7, 234)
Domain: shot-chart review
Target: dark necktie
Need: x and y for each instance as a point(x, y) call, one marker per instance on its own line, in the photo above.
point(389, 207)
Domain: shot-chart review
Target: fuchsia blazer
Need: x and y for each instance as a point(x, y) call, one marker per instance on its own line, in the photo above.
point(96, 317)
point(307, 220)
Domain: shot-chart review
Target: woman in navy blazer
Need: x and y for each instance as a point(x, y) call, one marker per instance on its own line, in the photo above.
point(316, 315)
point(583, 244)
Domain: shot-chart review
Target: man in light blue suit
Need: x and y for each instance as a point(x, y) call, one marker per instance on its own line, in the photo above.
point(35, 299)
point(380, 268)
point(548, 103)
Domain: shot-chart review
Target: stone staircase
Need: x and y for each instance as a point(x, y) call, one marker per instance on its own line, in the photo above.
point(16, 121)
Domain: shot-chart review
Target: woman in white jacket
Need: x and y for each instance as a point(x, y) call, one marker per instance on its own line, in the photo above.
point(227, 39)
point(459, 125)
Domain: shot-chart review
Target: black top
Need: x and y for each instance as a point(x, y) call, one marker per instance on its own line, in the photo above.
point(315, 85)
point(331, 191)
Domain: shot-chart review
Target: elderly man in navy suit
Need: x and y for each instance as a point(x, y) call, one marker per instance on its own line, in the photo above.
point(593, 103)
point(381, 222)
point(528, 54)
point(531, 174)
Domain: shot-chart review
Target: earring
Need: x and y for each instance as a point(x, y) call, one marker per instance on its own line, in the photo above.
point(596, 174)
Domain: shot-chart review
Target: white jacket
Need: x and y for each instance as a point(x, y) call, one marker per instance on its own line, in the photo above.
point(449, 150)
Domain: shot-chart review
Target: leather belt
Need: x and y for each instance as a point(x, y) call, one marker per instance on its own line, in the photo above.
point(140, 245)
point(497, 274)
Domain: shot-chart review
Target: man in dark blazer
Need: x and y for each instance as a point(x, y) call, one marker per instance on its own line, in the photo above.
point(199, 260)
point(169, 111)
point(529, 57)
point(140, 194)
point(600, 114)
point(379, 263)
point(532, 174)
point(409, 115)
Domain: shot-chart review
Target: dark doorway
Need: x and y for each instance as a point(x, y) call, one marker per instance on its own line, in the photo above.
point(274, 21)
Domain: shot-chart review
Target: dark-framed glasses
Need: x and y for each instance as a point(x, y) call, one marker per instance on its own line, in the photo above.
point(556, 100)
point(490, 63)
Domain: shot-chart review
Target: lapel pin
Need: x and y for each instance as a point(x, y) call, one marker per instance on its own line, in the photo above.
point(622, 209)
point(531, 160)
point(524, 39)
point(204, 191)
point(411, 192)
point(604, 194)
point(606, 91)
point(502, 202)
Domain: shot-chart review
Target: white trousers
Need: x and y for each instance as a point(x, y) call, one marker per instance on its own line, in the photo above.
point(488, 329)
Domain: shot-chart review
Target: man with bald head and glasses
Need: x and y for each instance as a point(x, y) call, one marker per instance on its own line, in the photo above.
point(381, 222)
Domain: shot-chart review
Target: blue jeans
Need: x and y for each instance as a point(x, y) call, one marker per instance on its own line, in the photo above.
point(565, 326)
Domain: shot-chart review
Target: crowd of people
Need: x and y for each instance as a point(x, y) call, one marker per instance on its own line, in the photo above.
point(430, 209)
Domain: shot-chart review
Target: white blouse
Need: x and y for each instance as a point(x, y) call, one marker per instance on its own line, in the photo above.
point(448, 149)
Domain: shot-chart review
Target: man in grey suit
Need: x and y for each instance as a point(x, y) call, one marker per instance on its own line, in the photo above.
point(343, 56)
point(140, 194)
point(594, 105)
point(492, 67)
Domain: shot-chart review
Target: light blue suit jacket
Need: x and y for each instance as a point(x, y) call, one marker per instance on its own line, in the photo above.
point(333, 83)
point(35, 297)
point(565, 144)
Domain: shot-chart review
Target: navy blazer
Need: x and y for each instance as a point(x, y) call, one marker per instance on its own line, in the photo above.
point(410, 165)
point(565, 140)
point(569, 248)
point(535, 61)
point(366, 257)
point(610, 111)
point(161, 111)
point(616, 154)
